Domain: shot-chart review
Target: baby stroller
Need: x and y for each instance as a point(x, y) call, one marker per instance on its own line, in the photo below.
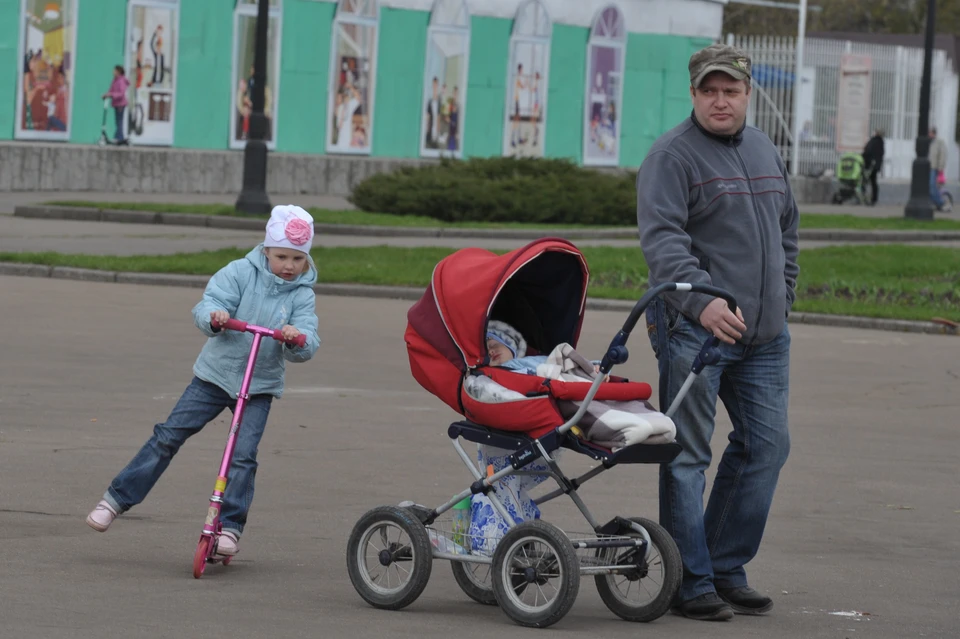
point(851, 179)
point(533, 570)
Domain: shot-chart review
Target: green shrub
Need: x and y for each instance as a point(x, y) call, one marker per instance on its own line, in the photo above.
point(503, 190)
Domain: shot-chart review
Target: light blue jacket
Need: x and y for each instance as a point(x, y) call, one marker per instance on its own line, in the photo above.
point(247, 290)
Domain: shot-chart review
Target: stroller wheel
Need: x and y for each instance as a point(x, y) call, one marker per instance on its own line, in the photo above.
point(536, 574)
point(646, 590)
point(389, 557)
point(474, 580)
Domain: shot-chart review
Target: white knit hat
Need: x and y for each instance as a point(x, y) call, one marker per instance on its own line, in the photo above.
point(508, 336)
point(289, 227)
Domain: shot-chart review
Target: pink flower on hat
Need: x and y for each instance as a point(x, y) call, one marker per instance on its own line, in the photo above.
point(298, 231)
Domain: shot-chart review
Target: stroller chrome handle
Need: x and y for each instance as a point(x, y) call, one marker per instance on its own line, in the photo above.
point(617, 352)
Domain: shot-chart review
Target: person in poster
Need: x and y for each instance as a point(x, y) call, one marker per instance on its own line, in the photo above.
point(518, 88)
point(159, 60)
point(44, 100)
point(453, 122)
point(433, 114)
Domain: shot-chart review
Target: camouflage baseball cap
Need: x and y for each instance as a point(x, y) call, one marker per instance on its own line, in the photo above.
point(719, 57)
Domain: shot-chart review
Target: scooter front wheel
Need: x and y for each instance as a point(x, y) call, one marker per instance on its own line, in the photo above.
point(200, 556)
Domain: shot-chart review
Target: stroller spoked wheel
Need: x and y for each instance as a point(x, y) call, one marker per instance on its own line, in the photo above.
point(645, 591)
point(389, 557)
point(475, 581)
point(536, 574)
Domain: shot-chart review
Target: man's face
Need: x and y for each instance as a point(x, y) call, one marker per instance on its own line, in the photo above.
point(720, 103)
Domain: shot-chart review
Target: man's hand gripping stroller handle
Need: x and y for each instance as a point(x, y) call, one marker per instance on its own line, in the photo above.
point(617, 352)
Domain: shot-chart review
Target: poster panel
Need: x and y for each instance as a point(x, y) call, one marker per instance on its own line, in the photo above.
point(46, 63)
point(152, 32)
point(351, 91)
point(445, 83)
point(526, 98)
point(244, 44)
point(602, 128)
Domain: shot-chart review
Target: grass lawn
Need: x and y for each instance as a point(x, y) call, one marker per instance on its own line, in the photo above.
point(325, 216)
point(889, 281)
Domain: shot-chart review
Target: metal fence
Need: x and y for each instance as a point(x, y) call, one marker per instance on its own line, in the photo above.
point(894, 98)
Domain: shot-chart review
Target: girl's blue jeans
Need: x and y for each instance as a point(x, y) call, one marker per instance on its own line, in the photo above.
point(753, 383)
point(200, 404)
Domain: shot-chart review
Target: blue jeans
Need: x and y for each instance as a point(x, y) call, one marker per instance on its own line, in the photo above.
point(199, 405)
point(935, 189)
point(753, 384)
point(118, 119)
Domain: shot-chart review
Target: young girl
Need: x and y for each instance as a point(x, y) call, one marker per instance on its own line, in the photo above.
point(272, 286)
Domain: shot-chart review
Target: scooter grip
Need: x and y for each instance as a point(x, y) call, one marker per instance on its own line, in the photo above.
point(231, 324)
point(299, 341)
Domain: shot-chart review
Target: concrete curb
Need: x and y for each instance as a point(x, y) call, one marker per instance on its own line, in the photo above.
point(257, 224)
point(414, 293)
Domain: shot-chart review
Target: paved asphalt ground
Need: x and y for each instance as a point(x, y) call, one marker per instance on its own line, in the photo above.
point(862, 541)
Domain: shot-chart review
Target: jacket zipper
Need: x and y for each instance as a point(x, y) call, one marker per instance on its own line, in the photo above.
point(763, 246)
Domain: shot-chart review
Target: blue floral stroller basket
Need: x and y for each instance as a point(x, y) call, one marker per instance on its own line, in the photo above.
point(532, 569)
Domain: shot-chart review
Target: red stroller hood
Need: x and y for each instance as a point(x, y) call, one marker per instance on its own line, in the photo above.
point(541, 291)
point(535, 282)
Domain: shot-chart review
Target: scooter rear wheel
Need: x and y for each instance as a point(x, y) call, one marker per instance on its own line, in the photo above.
point(200, 556)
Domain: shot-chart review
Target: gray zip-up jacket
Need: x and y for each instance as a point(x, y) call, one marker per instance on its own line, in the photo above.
point(719, 210)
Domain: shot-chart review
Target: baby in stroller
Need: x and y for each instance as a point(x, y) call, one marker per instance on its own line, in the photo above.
point(609, 423)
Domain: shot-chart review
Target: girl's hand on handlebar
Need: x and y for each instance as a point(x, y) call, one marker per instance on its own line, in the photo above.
point(718, 319)
point(219, 318)
point(289, 333)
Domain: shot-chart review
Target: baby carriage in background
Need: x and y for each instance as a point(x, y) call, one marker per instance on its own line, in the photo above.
point(532, 571)
point(851, 179)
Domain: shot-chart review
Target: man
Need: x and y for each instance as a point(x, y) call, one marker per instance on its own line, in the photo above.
point(714, 206)
point(873, 161)
point(938, 163)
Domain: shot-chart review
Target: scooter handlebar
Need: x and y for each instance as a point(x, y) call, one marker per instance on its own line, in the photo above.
point(241, 326)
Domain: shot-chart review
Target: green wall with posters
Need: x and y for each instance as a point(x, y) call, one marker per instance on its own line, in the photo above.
point(656, 93)
point(655, 84)
point(304, 77)
point(486, 86)
point(202, 75)
point(400, 63)
point(568, 67)
point(9, 42)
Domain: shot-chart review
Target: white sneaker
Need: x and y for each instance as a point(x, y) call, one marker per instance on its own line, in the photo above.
point(101, 516)
point(227, 544)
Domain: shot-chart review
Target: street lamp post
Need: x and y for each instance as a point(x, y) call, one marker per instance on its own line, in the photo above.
point(920, 206)
point(253, 198)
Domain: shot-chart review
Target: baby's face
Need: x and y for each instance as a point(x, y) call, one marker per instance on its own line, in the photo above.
point(499, 354)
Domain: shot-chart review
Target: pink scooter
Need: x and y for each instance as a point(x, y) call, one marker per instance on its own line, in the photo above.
point(207, 547)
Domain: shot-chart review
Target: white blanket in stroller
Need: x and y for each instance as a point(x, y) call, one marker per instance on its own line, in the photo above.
point(608, 423)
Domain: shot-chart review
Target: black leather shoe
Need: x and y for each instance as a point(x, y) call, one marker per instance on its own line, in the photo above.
point(746, 600)
point(706, 607)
